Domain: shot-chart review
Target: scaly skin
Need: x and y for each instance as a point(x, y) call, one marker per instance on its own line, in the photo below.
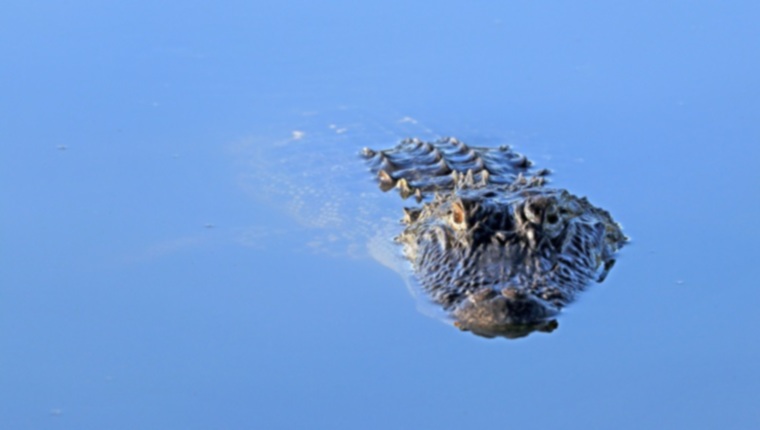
point(500, 252)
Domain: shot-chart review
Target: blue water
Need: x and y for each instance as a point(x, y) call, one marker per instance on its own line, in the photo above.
point(144, 284)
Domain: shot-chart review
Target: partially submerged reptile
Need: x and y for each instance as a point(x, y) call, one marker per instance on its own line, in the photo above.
point(488, 241)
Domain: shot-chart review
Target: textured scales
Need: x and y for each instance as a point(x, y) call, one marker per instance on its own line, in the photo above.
point(497, 249)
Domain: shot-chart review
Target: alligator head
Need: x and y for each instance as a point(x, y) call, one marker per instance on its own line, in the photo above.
point(501, 257)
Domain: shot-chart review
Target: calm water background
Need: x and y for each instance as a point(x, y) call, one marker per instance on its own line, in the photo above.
point(145, 283)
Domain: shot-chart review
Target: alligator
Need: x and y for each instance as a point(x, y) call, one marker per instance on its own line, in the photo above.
point(489, 242)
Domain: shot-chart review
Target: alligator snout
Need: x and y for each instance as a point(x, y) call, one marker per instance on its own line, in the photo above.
point(489, 312)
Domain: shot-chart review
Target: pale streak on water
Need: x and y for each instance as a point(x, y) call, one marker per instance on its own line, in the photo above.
point(310, 168)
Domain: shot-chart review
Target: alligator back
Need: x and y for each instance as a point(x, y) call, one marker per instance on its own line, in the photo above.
point(418, 167)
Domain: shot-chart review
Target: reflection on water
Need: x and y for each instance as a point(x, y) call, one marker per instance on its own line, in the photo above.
point(512, 331)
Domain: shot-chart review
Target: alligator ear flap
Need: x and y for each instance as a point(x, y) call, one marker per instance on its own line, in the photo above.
point(458, 215)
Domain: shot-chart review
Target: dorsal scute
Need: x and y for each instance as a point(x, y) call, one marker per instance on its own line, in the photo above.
point(444, 165)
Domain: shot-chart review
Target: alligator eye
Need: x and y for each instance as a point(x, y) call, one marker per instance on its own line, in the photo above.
point(552, 218)
point(457, 213)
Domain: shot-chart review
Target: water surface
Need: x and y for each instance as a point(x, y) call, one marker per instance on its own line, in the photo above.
point(146, 282)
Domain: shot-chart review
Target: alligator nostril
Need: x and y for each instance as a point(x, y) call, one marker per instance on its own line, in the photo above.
point(552, 218)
